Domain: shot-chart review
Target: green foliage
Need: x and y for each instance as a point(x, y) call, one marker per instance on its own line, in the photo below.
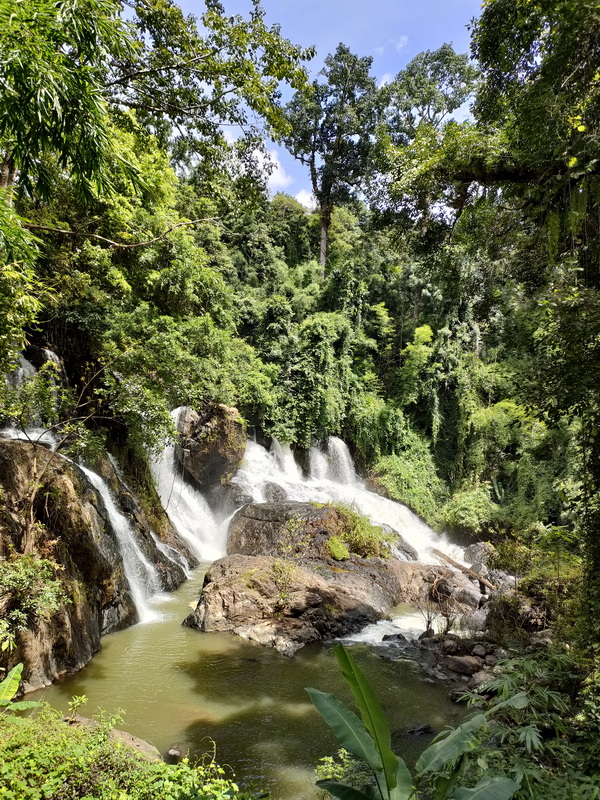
point(469, 513)
point(542, 742)
point(410, 477)
point(337, 548)
point(360, 537)
point(29, 588)
point(433, 85)
point(44, 757)
point(369, 740)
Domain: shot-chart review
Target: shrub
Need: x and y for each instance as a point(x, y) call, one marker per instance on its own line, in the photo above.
point(469, 512)
point(410, 477)
point(360, 537)
point(42, 757)
point(337, 548)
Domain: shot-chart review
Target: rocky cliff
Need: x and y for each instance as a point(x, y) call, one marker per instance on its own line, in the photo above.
point(50, 510)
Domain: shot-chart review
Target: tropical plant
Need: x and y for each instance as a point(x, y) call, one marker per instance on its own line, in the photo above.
point(369, 740)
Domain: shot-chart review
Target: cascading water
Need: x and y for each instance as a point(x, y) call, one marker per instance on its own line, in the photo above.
point(187, 509)
point(333, 479)
point(169, 552)
point(140, 573)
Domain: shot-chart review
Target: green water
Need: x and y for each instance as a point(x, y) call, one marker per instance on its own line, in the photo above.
point(178, 686)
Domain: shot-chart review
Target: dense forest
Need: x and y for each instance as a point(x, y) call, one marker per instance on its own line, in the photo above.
point(438, 309)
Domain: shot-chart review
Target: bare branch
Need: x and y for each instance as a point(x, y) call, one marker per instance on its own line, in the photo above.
point(112, 244)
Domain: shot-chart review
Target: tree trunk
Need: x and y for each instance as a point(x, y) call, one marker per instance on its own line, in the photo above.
point(8, 173)
point(325, 225)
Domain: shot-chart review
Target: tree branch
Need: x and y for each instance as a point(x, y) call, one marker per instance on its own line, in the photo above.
point(112, 244)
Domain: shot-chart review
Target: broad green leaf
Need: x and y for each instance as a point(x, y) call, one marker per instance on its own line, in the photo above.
point(22, 705)
point(371, 714)
point(404, 783)
point(488, 789)
point(342, 791)
point(10, 684)
point(349, 730)
point(457, 742)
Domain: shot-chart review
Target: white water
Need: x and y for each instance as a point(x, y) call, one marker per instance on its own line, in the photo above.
point(169, 552)
point(333, 479)
point(140, 573)
point(187, 509)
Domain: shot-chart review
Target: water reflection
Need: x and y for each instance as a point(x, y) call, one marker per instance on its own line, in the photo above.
point(178, 686)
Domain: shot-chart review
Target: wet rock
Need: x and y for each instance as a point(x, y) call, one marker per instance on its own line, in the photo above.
point(458, 696)
point(478, 620)
point(479, 650)
point(467, 597)
point(174, 754)
point(421, 730)
point(464, 665)
point(491, 660)
point(394, 637)
point(478, 679)
point(274, 493)
point(479, 553)
point(400, 548)
point(449, 646)
point(213, 443)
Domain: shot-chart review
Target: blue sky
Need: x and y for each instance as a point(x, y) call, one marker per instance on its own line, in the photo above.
point(392, 32)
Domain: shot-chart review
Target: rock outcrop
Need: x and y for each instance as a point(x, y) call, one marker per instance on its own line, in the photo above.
point(280, 585)
point(69, 524)
point(213, 443)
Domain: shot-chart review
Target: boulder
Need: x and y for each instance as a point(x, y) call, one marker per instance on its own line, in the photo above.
point(400, 548)
point(467, 597)
point(286, 603)
point(464, 665)
point(274, 493)
point(212, 444)
point(283, 529)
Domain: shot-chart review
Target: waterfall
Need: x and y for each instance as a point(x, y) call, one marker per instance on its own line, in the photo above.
point(333, 479)
point(169, 552)
point(23, 370)
point(341, 466)
point(140, 574)
point(187, 509)
point(35, 435)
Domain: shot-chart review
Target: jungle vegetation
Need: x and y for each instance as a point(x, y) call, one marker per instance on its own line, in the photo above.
point(439, 309)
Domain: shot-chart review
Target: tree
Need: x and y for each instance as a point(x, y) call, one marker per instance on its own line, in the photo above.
point(333, 125)
point(52, 70)
point(185, 83)
point(433, 85)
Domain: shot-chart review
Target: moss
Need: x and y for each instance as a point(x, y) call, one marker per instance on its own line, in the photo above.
point(337, 548)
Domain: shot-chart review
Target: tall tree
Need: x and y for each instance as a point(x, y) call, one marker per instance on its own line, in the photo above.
point(333, 125)
point(432, 86)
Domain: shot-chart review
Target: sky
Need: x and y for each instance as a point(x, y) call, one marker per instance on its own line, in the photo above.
point(392, 32)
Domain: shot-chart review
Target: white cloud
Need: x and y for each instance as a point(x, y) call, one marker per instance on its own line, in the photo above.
point(385, 79)
point(278, 179)
point(379, 51)
point(307, 199)
point(401, 43)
